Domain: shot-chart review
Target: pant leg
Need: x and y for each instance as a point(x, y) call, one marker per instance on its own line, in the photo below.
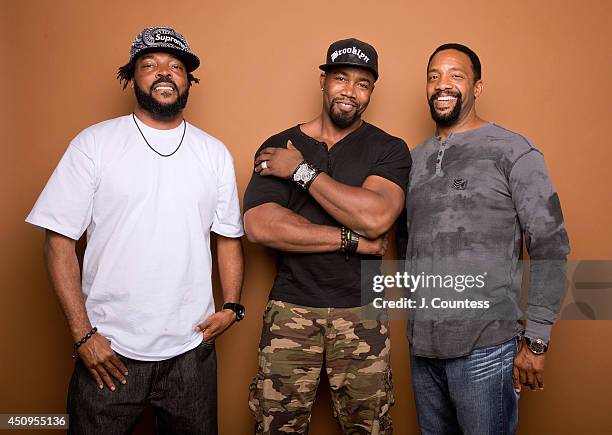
point(482, 390)
point(435, 411)
point(94, 411)
point(290, 360)
point(184, 393)
point(357, 358)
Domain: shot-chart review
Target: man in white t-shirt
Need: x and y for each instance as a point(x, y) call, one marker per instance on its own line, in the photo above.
point(148, 188)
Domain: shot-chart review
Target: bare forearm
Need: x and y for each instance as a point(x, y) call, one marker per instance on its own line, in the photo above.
point(279, 228)
point(366, 211)
point(63, 267)
point(231, 267)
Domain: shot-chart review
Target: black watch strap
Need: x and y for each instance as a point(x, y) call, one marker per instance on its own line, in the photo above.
point(236, 308)
point(305, 174)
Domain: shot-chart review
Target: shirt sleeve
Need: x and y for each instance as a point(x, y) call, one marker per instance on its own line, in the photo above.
point(394, 163)
point(227, 221)
point(66, 203)
point(541, 220)
point(262, 190)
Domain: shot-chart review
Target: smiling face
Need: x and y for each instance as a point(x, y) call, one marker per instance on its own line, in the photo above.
point(451, 88)
point(161, 85)
point(346, 94)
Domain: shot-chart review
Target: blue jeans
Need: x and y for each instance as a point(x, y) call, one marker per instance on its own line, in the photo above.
point(473, 394)
point(182, 391)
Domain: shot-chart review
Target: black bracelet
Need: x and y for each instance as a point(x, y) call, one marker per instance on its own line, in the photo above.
point(349, 241)
point(82, 341)
point(353, 242)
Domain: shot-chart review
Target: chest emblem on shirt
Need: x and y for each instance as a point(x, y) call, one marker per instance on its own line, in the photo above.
point(459, 184)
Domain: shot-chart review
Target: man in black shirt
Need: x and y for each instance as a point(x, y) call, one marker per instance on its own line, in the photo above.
point(324, 194)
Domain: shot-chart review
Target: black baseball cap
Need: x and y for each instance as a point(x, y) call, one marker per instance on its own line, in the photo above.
point(352, 52)
point(164, 39)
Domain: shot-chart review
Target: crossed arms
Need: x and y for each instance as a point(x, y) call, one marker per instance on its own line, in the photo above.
point(370, 210)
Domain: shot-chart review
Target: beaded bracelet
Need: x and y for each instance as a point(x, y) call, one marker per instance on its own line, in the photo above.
point(82, 341)
point(342, 240)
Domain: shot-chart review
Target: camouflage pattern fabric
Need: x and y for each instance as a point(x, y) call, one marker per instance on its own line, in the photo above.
point(296, 342)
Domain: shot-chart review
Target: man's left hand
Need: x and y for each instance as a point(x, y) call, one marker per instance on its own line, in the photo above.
point(216, 324)
point(528, 369)
point(279, 162)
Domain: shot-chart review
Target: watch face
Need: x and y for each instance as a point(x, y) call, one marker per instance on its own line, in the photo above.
point(303, 174)
point(298, 174)
point(537, 346)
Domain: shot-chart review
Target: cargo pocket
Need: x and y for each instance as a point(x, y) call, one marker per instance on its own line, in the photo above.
point(255, 396)
point(267, 308)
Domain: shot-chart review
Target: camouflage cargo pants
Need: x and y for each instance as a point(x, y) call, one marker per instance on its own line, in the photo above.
point(296, 342)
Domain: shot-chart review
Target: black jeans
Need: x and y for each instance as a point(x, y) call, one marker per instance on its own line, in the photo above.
point(182, 392)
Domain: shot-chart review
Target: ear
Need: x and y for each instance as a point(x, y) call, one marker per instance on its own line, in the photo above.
point(322, 80)
point(478, 88)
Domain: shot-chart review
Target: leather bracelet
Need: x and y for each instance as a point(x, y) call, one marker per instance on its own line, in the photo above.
point(349, 241)
point(82, 341)
point(353, 242)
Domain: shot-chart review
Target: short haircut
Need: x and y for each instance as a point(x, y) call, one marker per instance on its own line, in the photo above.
point(476, 68)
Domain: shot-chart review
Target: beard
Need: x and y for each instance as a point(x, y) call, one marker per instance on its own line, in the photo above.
point(447, 119)
point(344, 120)
point(161, 111)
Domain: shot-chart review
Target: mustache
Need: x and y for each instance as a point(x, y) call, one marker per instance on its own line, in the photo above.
point(455, 94)
point(166, 80)
point(348, 100)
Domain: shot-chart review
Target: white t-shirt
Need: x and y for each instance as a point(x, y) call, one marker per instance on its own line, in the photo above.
point(147, 266)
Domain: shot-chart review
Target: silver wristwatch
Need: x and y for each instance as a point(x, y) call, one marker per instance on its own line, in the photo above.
point(536, 345)
point(305, 174)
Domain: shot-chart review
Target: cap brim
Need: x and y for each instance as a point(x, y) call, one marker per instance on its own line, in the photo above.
point(327, 66)
point(191, 61)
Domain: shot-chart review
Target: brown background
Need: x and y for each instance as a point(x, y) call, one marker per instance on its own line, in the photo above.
point(547, 67)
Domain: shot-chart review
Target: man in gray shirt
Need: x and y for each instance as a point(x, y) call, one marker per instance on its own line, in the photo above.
point(476, 192)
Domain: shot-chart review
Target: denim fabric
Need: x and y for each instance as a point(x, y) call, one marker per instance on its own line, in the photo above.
point(182, 391)
point(472, 395)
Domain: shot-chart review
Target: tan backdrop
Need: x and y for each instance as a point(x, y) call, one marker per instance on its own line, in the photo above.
point(547, 69)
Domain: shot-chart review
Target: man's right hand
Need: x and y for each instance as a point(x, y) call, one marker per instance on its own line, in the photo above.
point(102, 362)
point(373, 247)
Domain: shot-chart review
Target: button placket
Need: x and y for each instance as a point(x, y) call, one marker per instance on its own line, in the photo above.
point(439, 157)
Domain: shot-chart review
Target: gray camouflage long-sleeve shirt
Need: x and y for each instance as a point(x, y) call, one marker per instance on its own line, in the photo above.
point(472, 200)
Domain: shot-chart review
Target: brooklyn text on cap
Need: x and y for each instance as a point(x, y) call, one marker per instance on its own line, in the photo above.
point(352, 52)
point(164, 39)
